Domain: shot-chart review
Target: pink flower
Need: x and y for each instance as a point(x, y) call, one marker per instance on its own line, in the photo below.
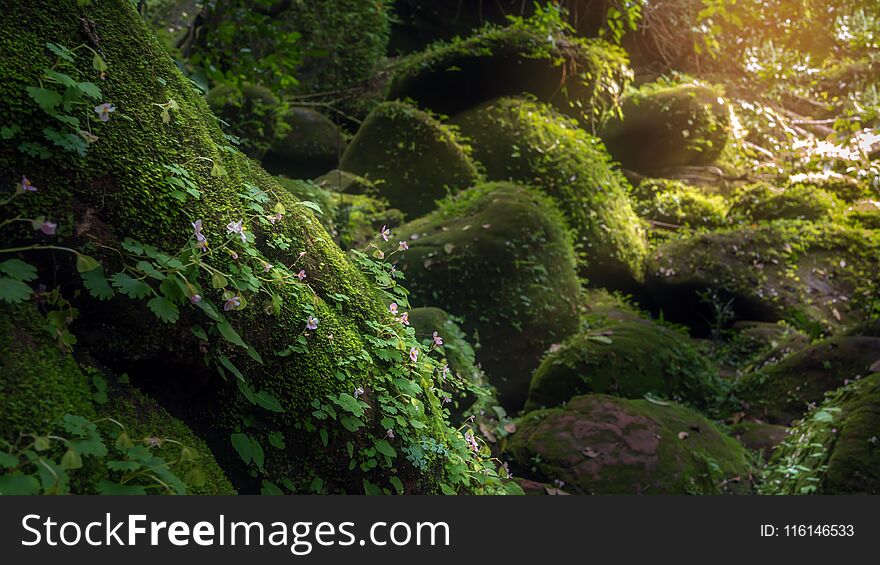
point(232, 303)
point(444, 371)
point(26, 185)
point(48, 227)
point(276, 217)
point(238, 228)
point(437, 339)
point(267, 267)
point(301, 253)
point(359, 391)
point(414, 355)
point(404, 318)
point(393, 308)
point(389, 434)
point(312, 323)
point(385, 233)
point(201, 240)
point(472, 441)
point(234, 255)
point(103, 111)
point(195, 298)
point(301, 274)
point(403, 246)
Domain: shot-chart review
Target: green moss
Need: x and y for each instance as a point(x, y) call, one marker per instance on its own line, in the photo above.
point(498, 257)
point(39, 384)
point(528, 142)
point(758, 437)
point(312, 146)
point(783, 392)
point(788, 270)
point(834, 449)
point(118, 190)
point(628, 359)
point(668, 125)
point(582, 78)
point(411, 157)
point(864, 214)
point(664, 202)
point(601, 444)
point(761, 201)
point(253, 113)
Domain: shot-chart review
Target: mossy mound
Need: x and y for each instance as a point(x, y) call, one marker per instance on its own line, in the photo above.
point(581, 78)
point(41, 384)
point(783, 392)
point(844, 186)
point(864, 214)
point(627, 359)
point(253, 113)
point(526, 141)
point(600, 444)
point(813, 275)
point(338, 180)
point(499, 257)
point(750, 345)
point(670, 204)
point(311, 147)
point(668, 125)
point(119, 189)
point(835, 449)
point(601, 308)
point(412, 158)
point(761, 201)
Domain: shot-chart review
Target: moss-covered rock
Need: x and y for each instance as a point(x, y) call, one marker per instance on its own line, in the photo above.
point(41, 384)
point(499, 257)
point(600, 444)
point(835, 449)
point(759, 437)
point(338, 180)
point(761, 201)
point(118, 189)
point(864, 214)
point(582, 78)
point(668, 125)
point(312, 146)
point(528, 142)
point(749, 345)
point(783, 392)
point(628, 359)
point(671, 203)
point(813, 275)
point(412, 158)
point(253, 113)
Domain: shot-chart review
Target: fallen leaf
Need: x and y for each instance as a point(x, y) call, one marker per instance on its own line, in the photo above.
point(683, 435)
point(875, 367)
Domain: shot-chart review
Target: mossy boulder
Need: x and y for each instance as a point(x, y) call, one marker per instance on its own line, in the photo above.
point(600, 444)
point(783, 392)
point(118, 189)
point(750, 346)
point(627, 359)
point(761, 201)
point(668, 125)
point(42, 383)
point(835, 449)
point(338, 180)
point(254, 115)
point(412, 158)
point(670, 204)
point(528, 142)
point(499, 257)
point(864, 214)
point(815, 275)
point(581, 78)
point(312, 145)
point(759, 437)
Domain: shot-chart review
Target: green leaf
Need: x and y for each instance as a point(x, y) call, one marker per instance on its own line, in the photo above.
point(276, 440)
point(60, 78)
point(823, 416)
point(383, 447)
point(18, 270)
point(84, 263)
point(131, 286)
point(311, 205)
point(61, 51)
point(71, 459)
point(229, 333)
point(513, 489)
point(12, 291)
point(370, 489)
point(270, 489)
point(268, 401)
point(97, 284)
point(325, 437)
point(218, 280)
point(397, 484)
point(600, 339)
point(242, 445)
point(258, 455)
point(19, 484)
point(98, 63)
point(195, 477)
point(164, 309)
point(45, 98)
point(90, 89)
